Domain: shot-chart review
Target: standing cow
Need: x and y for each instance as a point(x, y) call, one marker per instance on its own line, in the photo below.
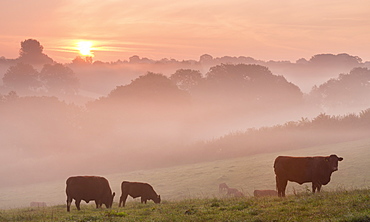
point(89, 188)
point(137, 189)
point(317, 170)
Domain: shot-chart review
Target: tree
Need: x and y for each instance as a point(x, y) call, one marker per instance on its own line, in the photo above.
point(22, 78)
point(31, 53)
point(186, 79)
point(58, 78)
point(348, 91)
point(149, 88)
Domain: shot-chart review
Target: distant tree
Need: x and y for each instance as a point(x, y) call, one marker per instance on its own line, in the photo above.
point(58, 78)
point(151, 87)
point(350, 91)
point(206, 58)
point(82, 60)
point(248, 84)
point(186, 79)
point(22, 78)
point(31, 53)
point(336, 60)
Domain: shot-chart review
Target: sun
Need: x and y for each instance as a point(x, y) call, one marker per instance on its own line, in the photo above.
point(85, 48)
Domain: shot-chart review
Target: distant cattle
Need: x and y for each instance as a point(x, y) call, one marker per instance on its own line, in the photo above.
point(89, 188)
point(317, 170)
point(137, 189)
point(265, 193)
point(222, 187)
point(38, 204)
point(234, 192)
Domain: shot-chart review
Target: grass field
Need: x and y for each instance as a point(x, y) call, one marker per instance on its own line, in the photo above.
point(200, 181)
point(327, 206)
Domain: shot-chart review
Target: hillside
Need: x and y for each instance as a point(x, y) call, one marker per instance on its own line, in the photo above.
point(201, 180)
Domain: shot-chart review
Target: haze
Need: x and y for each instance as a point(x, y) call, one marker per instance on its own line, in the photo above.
point(170, 83)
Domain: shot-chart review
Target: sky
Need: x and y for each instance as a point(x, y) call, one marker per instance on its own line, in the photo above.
point(182, 30)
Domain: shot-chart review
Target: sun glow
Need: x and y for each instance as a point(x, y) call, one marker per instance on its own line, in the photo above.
point(85, 48)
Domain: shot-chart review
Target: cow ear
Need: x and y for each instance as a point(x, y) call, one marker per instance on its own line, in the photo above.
point(340, 158)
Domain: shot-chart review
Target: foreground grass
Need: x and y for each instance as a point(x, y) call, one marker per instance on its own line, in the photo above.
point(328, 206)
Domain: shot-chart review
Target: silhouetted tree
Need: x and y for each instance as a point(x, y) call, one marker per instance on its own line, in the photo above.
point(206, 59)
point(31, 53)
point(58, 78)
point(149, 88)
point(22, 78)
point(249, 84)
point(186, 79)
point(87, 60)
point(350, 91)
point(335, 60)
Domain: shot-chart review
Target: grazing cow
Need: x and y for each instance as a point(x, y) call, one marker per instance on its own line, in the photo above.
point(137, 189)
point(222, 187)
point(317, 170)
point(265, 193)
point(38, 204)
point(234, 192)
point(89, 188)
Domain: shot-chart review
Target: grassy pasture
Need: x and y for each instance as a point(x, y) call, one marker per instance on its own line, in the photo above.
point(200, 180)
point(327, 206)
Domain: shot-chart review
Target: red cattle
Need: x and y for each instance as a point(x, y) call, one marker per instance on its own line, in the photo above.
point(89, 188)
point(265, 193)
point(234, 192)
point(137, 189)
point(317, 170)
point(222, 187)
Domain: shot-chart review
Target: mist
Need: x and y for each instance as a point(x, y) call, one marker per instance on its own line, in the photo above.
point(94, 117)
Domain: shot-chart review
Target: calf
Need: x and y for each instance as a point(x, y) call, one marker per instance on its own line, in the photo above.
point(234, 192)
point(265, 193)
point(137, 189)
point(222, 187)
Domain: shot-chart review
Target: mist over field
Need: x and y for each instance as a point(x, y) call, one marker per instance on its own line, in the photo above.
point(93, 118)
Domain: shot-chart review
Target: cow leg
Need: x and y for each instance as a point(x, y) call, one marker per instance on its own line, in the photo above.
point(313, 187)
point(69, 201)
point(122, 200)
point(316, 186)
point(143, 200)
point(77, 202)
point(98, 204)
point(281, 186)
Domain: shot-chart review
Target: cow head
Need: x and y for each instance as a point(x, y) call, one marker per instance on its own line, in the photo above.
point(109, 202)
point(157, 199)
point(333, 162)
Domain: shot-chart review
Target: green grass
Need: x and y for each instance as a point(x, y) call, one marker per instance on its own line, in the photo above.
point(200, 180)
point(327, 206)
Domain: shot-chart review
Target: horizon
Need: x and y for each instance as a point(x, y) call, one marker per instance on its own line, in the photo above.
point(267, 30)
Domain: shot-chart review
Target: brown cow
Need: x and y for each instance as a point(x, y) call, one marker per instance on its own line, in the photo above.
point(137, 189)
point(234, 192)
point(222, 187)
point(265, 193)
point(89, 188)
point(317, 170)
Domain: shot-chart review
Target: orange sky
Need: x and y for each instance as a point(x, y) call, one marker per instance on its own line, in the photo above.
point(263, 29)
